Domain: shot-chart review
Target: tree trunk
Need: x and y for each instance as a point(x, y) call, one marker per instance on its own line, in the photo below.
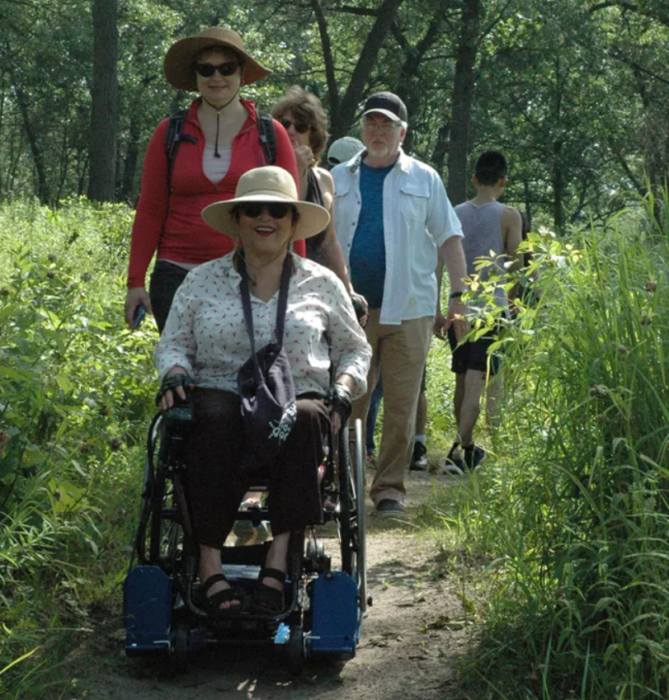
point(408, 86)
point(330, 73)
point(441, 149)
point(558, 188)
point(35, 149)
point(528, 204)
point(461, 102)
point(104, 101)
point(130, 162)
point(342, 120)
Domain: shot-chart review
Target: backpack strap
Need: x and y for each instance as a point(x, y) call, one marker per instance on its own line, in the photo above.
point(267, 137)
point(173, 139)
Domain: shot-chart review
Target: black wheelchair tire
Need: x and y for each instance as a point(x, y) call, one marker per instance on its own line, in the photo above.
point(346, 503)
point(352, 509)
point(165, 537)
point(361, 557)
point(180, 651)
point(294, 651)
point(149, 477)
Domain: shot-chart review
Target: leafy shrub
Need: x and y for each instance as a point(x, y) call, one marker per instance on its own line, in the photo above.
point(575, 509)
point(75, 396)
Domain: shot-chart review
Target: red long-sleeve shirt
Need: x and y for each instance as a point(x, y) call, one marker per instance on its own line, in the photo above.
point(172, 225)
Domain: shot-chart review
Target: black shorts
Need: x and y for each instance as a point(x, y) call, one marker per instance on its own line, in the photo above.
point(474, 353)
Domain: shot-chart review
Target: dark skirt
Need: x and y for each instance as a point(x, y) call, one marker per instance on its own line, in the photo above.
point(216, 486)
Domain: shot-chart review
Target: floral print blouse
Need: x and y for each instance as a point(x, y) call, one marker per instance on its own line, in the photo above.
point(206, 334)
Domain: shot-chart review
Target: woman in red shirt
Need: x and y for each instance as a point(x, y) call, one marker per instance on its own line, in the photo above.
point(220, 142)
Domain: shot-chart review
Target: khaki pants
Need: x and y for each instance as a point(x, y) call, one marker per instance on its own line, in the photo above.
point(399, 353)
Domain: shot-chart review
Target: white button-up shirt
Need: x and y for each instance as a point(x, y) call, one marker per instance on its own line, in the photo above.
point(206, 333)
point(417, 218)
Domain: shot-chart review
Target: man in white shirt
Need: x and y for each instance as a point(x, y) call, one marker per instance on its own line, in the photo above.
point(394, 221)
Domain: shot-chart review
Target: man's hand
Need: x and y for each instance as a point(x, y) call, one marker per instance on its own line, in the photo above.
point(439, 325)
point(361, 308)
point(457, 317)
point(135, 297)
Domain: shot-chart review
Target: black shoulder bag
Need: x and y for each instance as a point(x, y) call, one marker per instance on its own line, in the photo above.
point(265, 384)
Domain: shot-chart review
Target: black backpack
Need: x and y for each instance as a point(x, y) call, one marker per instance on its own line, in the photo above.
point(174, 137)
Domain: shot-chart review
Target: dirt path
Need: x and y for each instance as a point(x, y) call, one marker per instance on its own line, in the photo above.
point(411, 638)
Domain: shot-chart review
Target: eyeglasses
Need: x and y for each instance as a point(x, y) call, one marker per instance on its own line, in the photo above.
point(275, 209)
point(206, 70)
point(300, 127)
point(383, 127)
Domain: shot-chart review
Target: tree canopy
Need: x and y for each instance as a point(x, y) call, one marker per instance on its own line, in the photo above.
point(573, 92)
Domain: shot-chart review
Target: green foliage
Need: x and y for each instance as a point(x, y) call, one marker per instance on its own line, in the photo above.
point(573, 510)
point(75, 394)
point(575, 93)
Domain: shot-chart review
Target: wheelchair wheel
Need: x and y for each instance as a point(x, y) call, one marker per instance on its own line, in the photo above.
point(141, 541)
point(181, 649)
point(159, 537)
point(359, 463)
point(295, 651)
point(352, 511)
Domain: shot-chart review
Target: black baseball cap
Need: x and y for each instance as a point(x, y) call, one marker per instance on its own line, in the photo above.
point(388, 104)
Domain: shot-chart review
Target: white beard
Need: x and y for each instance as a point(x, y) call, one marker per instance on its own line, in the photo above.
point(378, 151)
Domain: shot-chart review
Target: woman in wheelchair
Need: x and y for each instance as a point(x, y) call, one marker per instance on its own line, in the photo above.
point(206, 342)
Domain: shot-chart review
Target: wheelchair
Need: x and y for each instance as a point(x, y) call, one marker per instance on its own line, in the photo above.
point(325, 602)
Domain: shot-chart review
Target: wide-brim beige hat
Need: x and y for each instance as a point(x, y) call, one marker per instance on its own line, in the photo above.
point(267, 184)
point(181, 56)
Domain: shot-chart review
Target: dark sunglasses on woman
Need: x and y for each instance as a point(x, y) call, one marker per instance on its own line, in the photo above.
point(206, 70)
point(300, 127)
point(275, 209)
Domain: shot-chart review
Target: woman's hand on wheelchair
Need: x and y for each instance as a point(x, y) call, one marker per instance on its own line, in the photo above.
point(341, 403)
point(175, 381)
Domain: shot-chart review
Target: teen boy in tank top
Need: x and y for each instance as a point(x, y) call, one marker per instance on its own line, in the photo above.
point(487, 226)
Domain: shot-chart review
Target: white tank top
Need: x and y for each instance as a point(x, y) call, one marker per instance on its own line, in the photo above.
point(216, 168)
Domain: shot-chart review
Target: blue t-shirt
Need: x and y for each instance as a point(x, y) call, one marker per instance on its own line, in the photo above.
point(367, 259)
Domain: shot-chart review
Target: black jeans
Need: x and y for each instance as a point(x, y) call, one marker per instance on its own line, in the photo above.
point(166, 278)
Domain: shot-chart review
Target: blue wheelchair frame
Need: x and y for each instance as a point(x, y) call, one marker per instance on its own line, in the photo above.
point(324, 609)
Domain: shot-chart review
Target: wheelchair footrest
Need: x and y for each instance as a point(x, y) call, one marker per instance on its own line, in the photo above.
point(248, 555)
point(147, 610)
point(336, 615)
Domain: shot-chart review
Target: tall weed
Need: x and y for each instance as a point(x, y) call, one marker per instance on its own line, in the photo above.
point(574, 512)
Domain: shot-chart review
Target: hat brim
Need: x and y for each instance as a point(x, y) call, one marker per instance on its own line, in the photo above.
point(180, 57)
point(313, 218)
point(387, 113)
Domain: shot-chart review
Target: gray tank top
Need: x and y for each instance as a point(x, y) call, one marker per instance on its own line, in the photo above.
point(482, 228)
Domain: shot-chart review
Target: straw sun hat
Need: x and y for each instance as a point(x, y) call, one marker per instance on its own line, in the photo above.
point(181, 56)
point(267, 184)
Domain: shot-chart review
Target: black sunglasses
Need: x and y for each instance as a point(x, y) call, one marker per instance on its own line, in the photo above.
point(275, 209)
point(206, 70)
point(300, 127)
